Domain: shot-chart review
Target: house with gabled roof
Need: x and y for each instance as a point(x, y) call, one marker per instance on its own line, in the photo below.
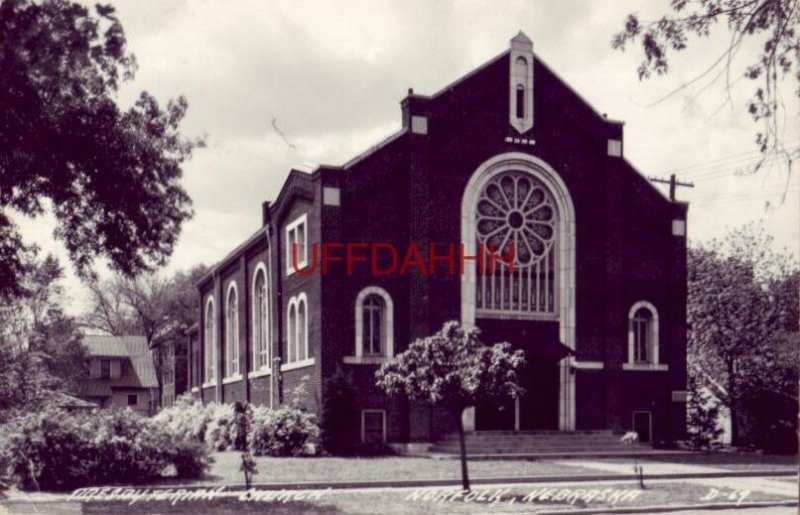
point(121, 373)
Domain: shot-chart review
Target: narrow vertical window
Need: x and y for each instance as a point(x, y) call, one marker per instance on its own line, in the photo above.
point(260, 320)
point(302, 336)
point(520, 101)
point(232, 334)
point(291, 333)
point(642, 328)
point(373, 325)
point(209, 355)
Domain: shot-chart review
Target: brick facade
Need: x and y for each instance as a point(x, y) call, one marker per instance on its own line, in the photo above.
point(410, 188)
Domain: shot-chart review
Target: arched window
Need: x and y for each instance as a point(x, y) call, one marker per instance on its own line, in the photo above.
point(516, 217)
point(374, 331)
point(209, 347)
point(291, 332)
point(302, 329)
point(374, 324)
point(261, 332)
point(643, 334)
point(297, 348)
point(232, 332)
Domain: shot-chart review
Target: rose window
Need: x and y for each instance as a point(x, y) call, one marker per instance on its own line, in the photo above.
point(516, 209)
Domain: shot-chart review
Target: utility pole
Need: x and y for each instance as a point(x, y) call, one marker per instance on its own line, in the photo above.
point(673, 184)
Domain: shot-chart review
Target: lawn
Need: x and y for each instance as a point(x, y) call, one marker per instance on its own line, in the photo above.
point(517, 499)
point(282, 470)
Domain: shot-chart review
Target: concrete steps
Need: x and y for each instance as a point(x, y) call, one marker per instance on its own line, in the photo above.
point(550, 443)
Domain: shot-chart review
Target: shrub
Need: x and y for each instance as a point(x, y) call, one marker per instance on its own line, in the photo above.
point(217, 425)
point(56, 450)
point(703, 415)
point(187, 419)
point(285, 431)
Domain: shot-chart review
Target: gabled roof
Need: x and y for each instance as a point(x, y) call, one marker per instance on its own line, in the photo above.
point(134, 348)
point(114, 346)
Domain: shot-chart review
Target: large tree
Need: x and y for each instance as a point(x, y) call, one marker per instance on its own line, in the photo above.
point(773, 24)
point(40, 345)
point(110, 176)
point(453, 369)
point(743, 319)
point(153, 305)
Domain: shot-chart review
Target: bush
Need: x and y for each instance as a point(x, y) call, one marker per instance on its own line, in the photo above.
point(187, 419)
point(217, 425)
point(285, 431)
point(56, 450)
point(703, 416)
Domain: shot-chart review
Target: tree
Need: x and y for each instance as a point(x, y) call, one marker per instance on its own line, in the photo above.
point(157, 307)
point(111, 177)
point(40, 346)
point(452, 369)
point(742, 304)
point(773, 22)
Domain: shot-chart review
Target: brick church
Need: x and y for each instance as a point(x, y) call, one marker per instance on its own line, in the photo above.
point(506, 157)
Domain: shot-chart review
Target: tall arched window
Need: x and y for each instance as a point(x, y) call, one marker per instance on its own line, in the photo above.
point(209, 346)
point(232, 332)
point(302, 329)
point(261, 331)
point(374, 316)
point(516, 217)
point(297, 330)
point(374, 331)
point(643, 334)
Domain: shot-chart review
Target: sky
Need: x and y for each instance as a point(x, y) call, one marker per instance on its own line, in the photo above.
point(272, 85)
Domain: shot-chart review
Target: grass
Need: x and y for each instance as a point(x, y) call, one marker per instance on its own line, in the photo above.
point(511, 500)
point(730, 460)
point(280, 470)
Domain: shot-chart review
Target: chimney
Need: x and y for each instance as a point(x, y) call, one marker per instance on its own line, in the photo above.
point(265, 213)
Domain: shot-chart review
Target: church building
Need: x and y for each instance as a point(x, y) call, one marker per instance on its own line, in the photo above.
point(507, 159)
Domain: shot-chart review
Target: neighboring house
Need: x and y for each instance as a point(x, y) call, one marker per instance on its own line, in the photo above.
point(121, 373)
point(508, 153)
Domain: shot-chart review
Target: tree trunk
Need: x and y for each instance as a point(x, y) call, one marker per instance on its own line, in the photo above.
point(463, 443)
point(732, 405)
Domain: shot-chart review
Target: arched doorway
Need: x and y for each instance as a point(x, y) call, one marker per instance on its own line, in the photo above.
point(516, 197)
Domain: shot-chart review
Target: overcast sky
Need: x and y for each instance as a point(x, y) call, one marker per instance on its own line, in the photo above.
point(332, 74)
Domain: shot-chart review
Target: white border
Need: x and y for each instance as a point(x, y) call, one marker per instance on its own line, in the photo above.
point(295, 302)
point(266, 368)
point(213, 380)
point(389, 350)
point(373, 410)
point(238, 371)
point(654, 330)
point(518, 161)
point(302, 261)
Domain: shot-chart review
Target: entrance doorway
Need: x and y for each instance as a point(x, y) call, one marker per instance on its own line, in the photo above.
point(536, 409)
point(643, 425)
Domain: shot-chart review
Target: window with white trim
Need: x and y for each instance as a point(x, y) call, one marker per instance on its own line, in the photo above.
point(297, 330)
point(374, 317)
point(296, 245)
point(209, 347)
point(373, 426)
point(260, 319)
point(232, 332)
point(643, 334)
point(516, 216)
